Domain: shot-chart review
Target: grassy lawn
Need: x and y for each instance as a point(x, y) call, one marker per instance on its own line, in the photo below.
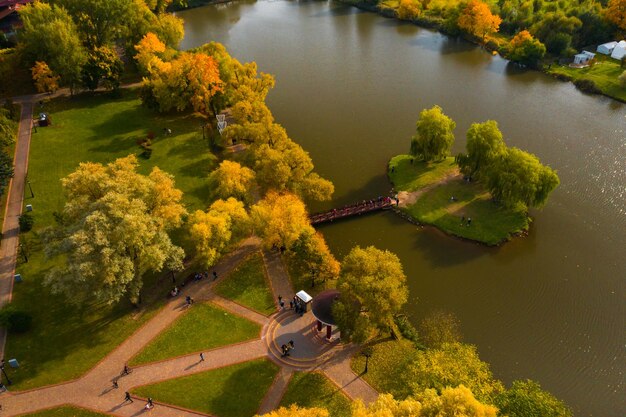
point(233, 391)
point(411, 177)
point(249, 286)
point(312, 389)
point(386, 366)
point(204, 326)
point(66, 411)
point(604, 74)
point(491, 224)
point(66, 340)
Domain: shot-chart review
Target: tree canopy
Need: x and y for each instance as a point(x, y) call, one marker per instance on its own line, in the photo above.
point(373, 289)
point(113, 230)
point(434, 137)
point(231, 179)
point(485, 145)
point(477, 19)
point(527, 399)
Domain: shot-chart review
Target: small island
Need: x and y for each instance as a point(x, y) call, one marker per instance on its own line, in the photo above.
point(482, 195)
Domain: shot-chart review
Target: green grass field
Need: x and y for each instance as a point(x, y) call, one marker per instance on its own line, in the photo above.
point(66, 411)
point(248, 285)
point(233, 391)
point(66, 340)
point(604, 73)
point(312, 389)
point(491, 224)
point(386, 366)
point(204, 326)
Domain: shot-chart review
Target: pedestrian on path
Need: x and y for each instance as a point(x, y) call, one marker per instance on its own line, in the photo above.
point(126, 370)
point(214, 275)
point(115, 386)
point(291, 344)
point(201, 357)
point(149, 404)
point(127, 397)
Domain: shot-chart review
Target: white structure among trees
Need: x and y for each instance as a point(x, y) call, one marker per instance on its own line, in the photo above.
point(606, 48)
point(619, 51)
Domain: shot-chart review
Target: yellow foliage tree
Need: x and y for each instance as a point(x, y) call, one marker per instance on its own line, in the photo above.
point(149, 50)
point(295, 411)
point(615, 12)
point(409, 9)
point(45, 80)
point(280, 219)
point(231, 179)
point(213, 231)
point(477, 19)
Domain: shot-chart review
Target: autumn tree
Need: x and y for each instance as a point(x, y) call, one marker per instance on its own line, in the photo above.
point(296, 411)
point(214, 230)
point(485, 145)
point(50, 35)
point(477, 19)
point(102, 66)
point(231, 179)
point(434, 137)
point(525, 49)
point(451, 365)
point(615, 12)
point(457, 402)
point(280, 219)
point(527, 399)
point(311, 250)
point(45, 80)
point(519, 177)
point(409, 9)
point(113, 230)
point(150, 53)
point(373, 289)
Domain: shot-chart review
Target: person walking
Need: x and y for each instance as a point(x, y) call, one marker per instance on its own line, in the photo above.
point(115, 386)
point(127, 397)
point(201, 357)
point(214, 275)
point(126, 370)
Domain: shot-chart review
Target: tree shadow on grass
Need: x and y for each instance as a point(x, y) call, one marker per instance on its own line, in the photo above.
point(198, 169)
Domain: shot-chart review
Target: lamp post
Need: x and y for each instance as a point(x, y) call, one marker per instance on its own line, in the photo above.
point(32, 195)
point(24, 253)
point(202, 127)
point(5, 372)
point(367, 352)
point(173, 276)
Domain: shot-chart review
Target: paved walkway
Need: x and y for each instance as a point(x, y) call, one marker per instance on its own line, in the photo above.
point(94, 389)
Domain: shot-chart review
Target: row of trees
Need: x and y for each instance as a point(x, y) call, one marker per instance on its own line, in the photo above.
point(556, 27)
point(8, 117)
point(512, 176)
point(79, 42)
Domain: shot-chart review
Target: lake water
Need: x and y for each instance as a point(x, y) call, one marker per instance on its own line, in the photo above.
point(349, 88)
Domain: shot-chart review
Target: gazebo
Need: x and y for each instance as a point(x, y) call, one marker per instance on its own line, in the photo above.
point(322, 310)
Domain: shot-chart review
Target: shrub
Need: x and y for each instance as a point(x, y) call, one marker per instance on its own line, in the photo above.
point(587, 86)
point(26, 222)
point(407, 330)
point(14, 320)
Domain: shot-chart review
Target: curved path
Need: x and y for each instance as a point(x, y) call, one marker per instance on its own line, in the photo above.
point(94, 389)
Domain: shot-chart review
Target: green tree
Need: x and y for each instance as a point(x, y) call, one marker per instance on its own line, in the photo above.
point(373, 288)
point(280, 219)
point(434, 135)
point(214, 230)
point(7, 138)
point(452, 365)
point(484, 146)
point(519, 177)
point(113, 230)
point(103, 65)
point(527, 399)
point(50, 35)
point(312, 250)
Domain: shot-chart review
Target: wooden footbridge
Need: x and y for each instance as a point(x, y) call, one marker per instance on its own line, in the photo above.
point(366, 206)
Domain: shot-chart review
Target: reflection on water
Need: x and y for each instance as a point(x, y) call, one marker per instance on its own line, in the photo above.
point(350, 86)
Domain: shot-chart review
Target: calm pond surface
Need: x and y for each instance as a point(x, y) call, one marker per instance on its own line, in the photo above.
point(349, 88)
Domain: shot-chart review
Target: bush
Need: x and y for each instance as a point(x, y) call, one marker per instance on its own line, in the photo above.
point(14, 320)
point(587, 86)
point(407, 330)
point(26, 222)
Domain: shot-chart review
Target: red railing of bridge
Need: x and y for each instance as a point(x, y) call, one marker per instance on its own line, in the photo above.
point(366, 206)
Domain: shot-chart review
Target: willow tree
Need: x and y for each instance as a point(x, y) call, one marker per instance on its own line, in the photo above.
point(113, 230)
point(434, 137)
point(485, 145)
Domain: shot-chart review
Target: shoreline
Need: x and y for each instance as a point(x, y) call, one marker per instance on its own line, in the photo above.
point(434, 25)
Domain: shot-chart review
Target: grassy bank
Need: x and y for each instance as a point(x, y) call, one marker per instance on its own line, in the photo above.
point(67, 340)
point(312, 389)
point(443, 199)
point(66, 411)
point(604, 75)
